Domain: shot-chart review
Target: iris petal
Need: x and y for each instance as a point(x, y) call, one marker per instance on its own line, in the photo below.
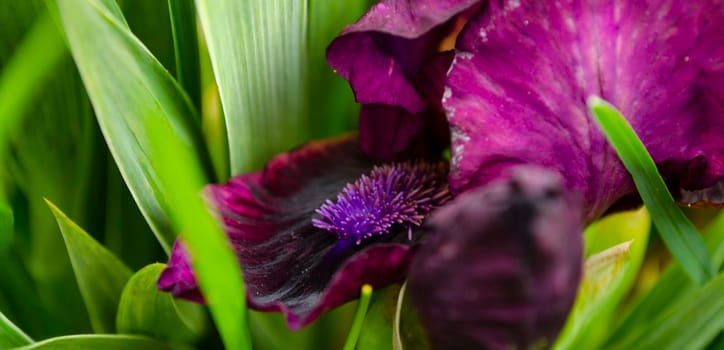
point(290, 265)
point(500, 266)
point(523, 69)
point(387, 58)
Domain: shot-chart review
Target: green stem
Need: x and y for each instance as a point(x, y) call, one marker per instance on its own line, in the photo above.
point(359, 317)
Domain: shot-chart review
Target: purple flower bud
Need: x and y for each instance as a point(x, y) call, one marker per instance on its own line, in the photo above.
point(500, 266)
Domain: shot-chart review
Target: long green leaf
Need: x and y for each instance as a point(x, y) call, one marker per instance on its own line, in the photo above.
point(6, 223)
point(100, 275)
point(145, 310)
point(23, 76)
point(257, 50)
point(676, 230)
point(619, 243)
point(689, 324)
point(331, 108)
point(10, 335)
point(215, 266)
point(186, 47)
point(126, 84)
point(101, 341)
point(672, 286)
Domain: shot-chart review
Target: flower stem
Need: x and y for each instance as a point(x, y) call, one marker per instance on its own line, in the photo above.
point(359, 317)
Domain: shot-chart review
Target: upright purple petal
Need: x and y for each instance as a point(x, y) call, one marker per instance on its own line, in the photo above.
point(516, 91)
point(385, 56)
point(292, 265)
point(500, 266)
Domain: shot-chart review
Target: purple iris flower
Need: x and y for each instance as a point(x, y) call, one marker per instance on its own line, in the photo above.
point(516, 90)
point(321, 220)
point(316, 224)
point(515, 94)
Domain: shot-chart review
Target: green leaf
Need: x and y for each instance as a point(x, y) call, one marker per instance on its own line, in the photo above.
point(6, 223)
point(100, 275)
point(331, 107)
point(608, 276)
point(672, 286)
point(41, 50)
point(689, 324)
point(145, 310)
point(676, 230)
point(257, 49)
point(212, 258)
point(127, 85)
point(101, 341)
point(359, 317)
point(376, 332)
point(186, 47)
point(10, 335)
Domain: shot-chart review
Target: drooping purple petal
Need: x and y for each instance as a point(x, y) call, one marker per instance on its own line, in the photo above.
point(385, 57)
point(289, 263)
point(500, 266)
point(516, 91)
point(178, 278)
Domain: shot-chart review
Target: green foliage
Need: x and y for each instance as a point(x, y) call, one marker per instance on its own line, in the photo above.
point(675, 228)
point(186, 47)
point(690, 323)
point(673, 285)
point(10, 335)
point(256, 48)
point(145, 310)
point(100, 275)
point(126, 84)
point(27, 70)
point(104, 341)
point(616, 246)
point(268, 59)
point(376, 332)
point(215, 266)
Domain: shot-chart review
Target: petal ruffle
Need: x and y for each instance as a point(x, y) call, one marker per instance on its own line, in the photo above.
point(500, 266)
point(289, 265)
point(385, 56)
point(516, 91)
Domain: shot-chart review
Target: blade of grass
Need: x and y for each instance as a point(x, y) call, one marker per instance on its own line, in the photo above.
point(10, 335)
point(359, 317)
point(41, 50)
point(126, 84)
point(100, 275)
point(214, 263)
point(186, 47)
point(689, 324)
point(257, 49)
point(673, 285)
point(331, 106)
point(679, 234)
